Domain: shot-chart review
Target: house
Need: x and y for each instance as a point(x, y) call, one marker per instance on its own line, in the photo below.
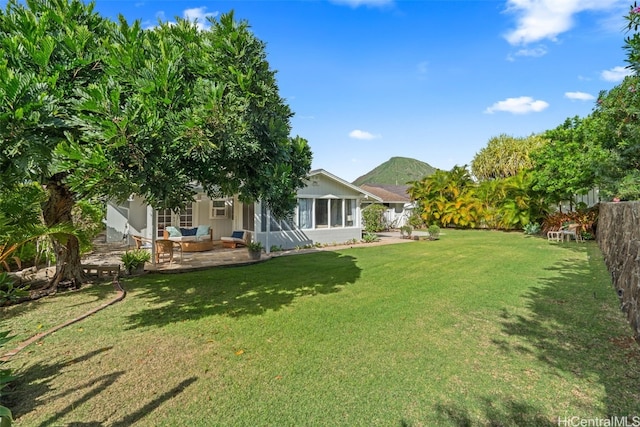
point(396, 199)
point(328, 211)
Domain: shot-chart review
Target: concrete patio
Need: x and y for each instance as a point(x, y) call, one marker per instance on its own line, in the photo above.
point(109, 255)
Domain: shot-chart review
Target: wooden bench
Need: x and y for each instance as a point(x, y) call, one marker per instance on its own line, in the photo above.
point(101, 270)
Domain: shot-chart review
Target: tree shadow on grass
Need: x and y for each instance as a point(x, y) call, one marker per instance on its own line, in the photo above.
point(496, 413)
point(38, 380)
point(240, 291)
point(577, 329)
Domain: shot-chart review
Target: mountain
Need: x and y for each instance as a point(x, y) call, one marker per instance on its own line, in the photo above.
point(396, 171)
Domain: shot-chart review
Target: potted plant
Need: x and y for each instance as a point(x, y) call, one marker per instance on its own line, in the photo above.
point(255, 250)
point(134, 260)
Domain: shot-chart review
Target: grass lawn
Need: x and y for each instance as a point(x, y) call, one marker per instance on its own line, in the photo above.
point(478, 328)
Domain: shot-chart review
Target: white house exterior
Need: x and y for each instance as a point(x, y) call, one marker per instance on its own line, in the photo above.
point(328, 211)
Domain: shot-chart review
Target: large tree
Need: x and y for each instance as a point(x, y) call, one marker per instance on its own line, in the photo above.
point(505, 156)
point(568, 163)
point(616, 129)
point(92, 107)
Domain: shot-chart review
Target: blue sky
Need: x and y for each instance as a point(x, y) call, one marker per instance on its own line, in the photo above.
point(428, 79)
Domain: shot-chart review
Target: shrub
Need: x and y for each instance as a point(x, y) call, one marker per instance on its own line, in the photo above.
point(434, 232)
point(373, 217)
point(532, 228)
point(406, 230)
point(586, 219)
point(370, 238)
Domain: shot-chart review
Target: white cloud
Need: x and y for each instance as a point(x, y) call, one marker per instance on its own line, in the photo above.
point(369, 3)
point(199, 15)
point(536, 52)
point(579, 96)
point(521, 105)
point(546, 19)
point(616, 74)
point(361, 134)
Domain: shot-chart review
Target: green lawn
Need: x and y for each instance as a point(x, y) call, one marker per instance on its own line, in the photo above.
point(478, 328)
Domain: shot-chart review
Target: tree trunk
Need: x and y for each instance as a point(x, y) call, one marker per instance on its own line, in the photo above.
point(57, 210)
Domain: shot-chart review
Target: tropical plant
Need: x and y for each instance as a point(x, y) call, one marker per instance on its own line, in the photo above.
point(520, 204)
point(447, 197)
point(532, 228)
point(586, 220)
point(134, 258)
point(255, 246)
point(10, 292)
point(21, 224)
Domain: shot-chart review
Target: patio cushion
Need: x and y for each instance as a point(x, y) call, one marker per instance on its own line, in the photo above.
point(173, 232)
point(202, 230)
point(188, 231)
point(237, 235)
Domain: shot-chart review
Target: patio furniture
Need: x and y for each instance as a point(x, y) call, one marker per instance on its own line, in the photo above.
point(554, 235)
point(164, 250)
point(572, 231)
point(141, 242)
point(195, 239)
point(238, 238)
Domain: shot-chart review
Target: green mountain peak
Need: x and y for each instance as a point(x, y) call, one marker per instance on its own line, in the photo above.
point(396, 171)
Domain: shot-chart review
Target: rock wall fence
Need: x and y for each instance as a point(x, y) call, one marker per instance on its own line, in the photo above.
point(618, 236)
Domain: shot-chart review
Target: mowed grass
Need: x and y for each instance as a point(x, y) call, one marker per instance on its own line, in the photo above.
point(478, 328)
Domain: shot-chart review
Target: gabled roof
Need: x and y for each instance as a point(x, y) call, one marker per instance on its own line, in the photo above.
point(389, 193)
point(360, 190)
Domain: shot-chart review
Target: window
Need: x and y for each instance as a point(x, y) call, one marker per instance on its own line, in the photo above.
point(166, 217)
point(325, 213)
point(336, 212)
point(186, 216)
point(164, 220)
point(350, 212)
point(218, 209)
point(305, 213)
point(322, 213)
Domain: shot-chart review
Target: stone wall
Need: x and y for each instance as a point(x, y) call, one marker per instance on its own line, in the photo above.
point(619, 240)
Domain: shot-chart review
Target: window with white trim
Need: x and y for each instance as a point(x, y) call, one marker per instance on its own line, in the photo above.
point(218, 209)
point(326, 213)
